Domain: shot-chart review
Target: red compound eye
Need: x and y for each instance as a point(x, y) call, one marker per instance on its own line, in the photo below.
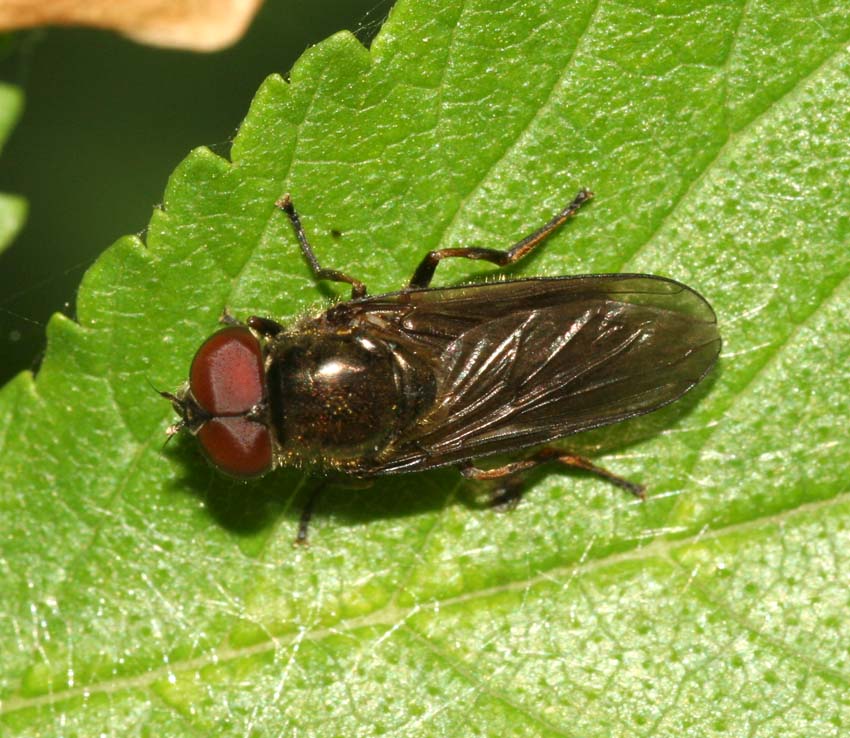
point(226, 379)
point(236, 445)
point(227, 372)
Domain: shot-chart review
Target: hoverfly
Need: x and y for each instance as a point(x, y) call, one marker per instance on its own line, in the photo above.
point(428, 377)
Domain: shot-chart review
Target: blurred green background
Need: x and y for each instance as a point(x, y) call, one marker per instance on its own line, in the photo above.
point(105, 122)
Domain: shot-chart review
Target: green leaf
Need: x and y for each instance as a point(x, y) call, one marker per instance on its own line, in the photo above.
point(145, 595)
point(13, 209)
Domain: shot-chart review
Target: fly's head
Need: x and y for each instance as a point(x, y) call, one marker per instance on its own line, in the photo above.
point(224, 403)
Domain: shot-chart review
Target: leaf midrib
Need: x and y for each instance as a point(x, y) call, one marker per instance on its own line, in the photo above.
point(451, 221)
point(395, 616)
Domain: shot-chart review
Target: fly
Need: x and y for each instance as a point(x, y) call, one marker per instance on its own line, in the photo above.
point(428, 377)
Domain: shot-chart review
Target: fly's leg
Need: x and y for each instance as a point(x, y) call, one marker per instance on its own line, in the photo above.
point(227, 318)
point(302, 537)
point(509, 492)
point(358, 289)
point(580, 462)
point(509, 483)
point(264, 326)
point(425, 271)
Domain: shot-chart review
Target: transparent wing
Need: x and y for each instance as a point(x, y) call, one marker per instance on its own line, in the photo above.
point(522, 363)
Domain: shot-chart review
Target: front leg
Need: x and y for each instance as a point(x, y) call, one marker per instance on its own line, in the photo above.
point(358, 289)
point(264, 326)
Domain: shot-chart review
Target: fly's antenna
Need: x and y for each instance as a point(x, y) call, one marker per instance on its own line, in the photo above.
point(179, 405)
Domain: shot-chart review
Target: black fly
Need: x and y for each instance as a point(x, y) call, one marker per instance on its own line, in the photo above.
point(428, 377)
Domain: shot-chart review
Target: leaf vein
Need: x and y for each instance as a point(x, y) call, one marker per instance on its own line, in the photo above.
point(391, 616)
point(513, 143)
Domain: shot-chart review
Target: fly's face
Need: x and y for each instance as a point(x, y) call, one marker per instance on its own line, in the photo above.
point(224, 403)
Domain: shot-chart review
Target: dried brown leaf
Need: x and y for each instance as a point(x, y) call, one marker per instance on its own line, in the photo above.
point(189, 24)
